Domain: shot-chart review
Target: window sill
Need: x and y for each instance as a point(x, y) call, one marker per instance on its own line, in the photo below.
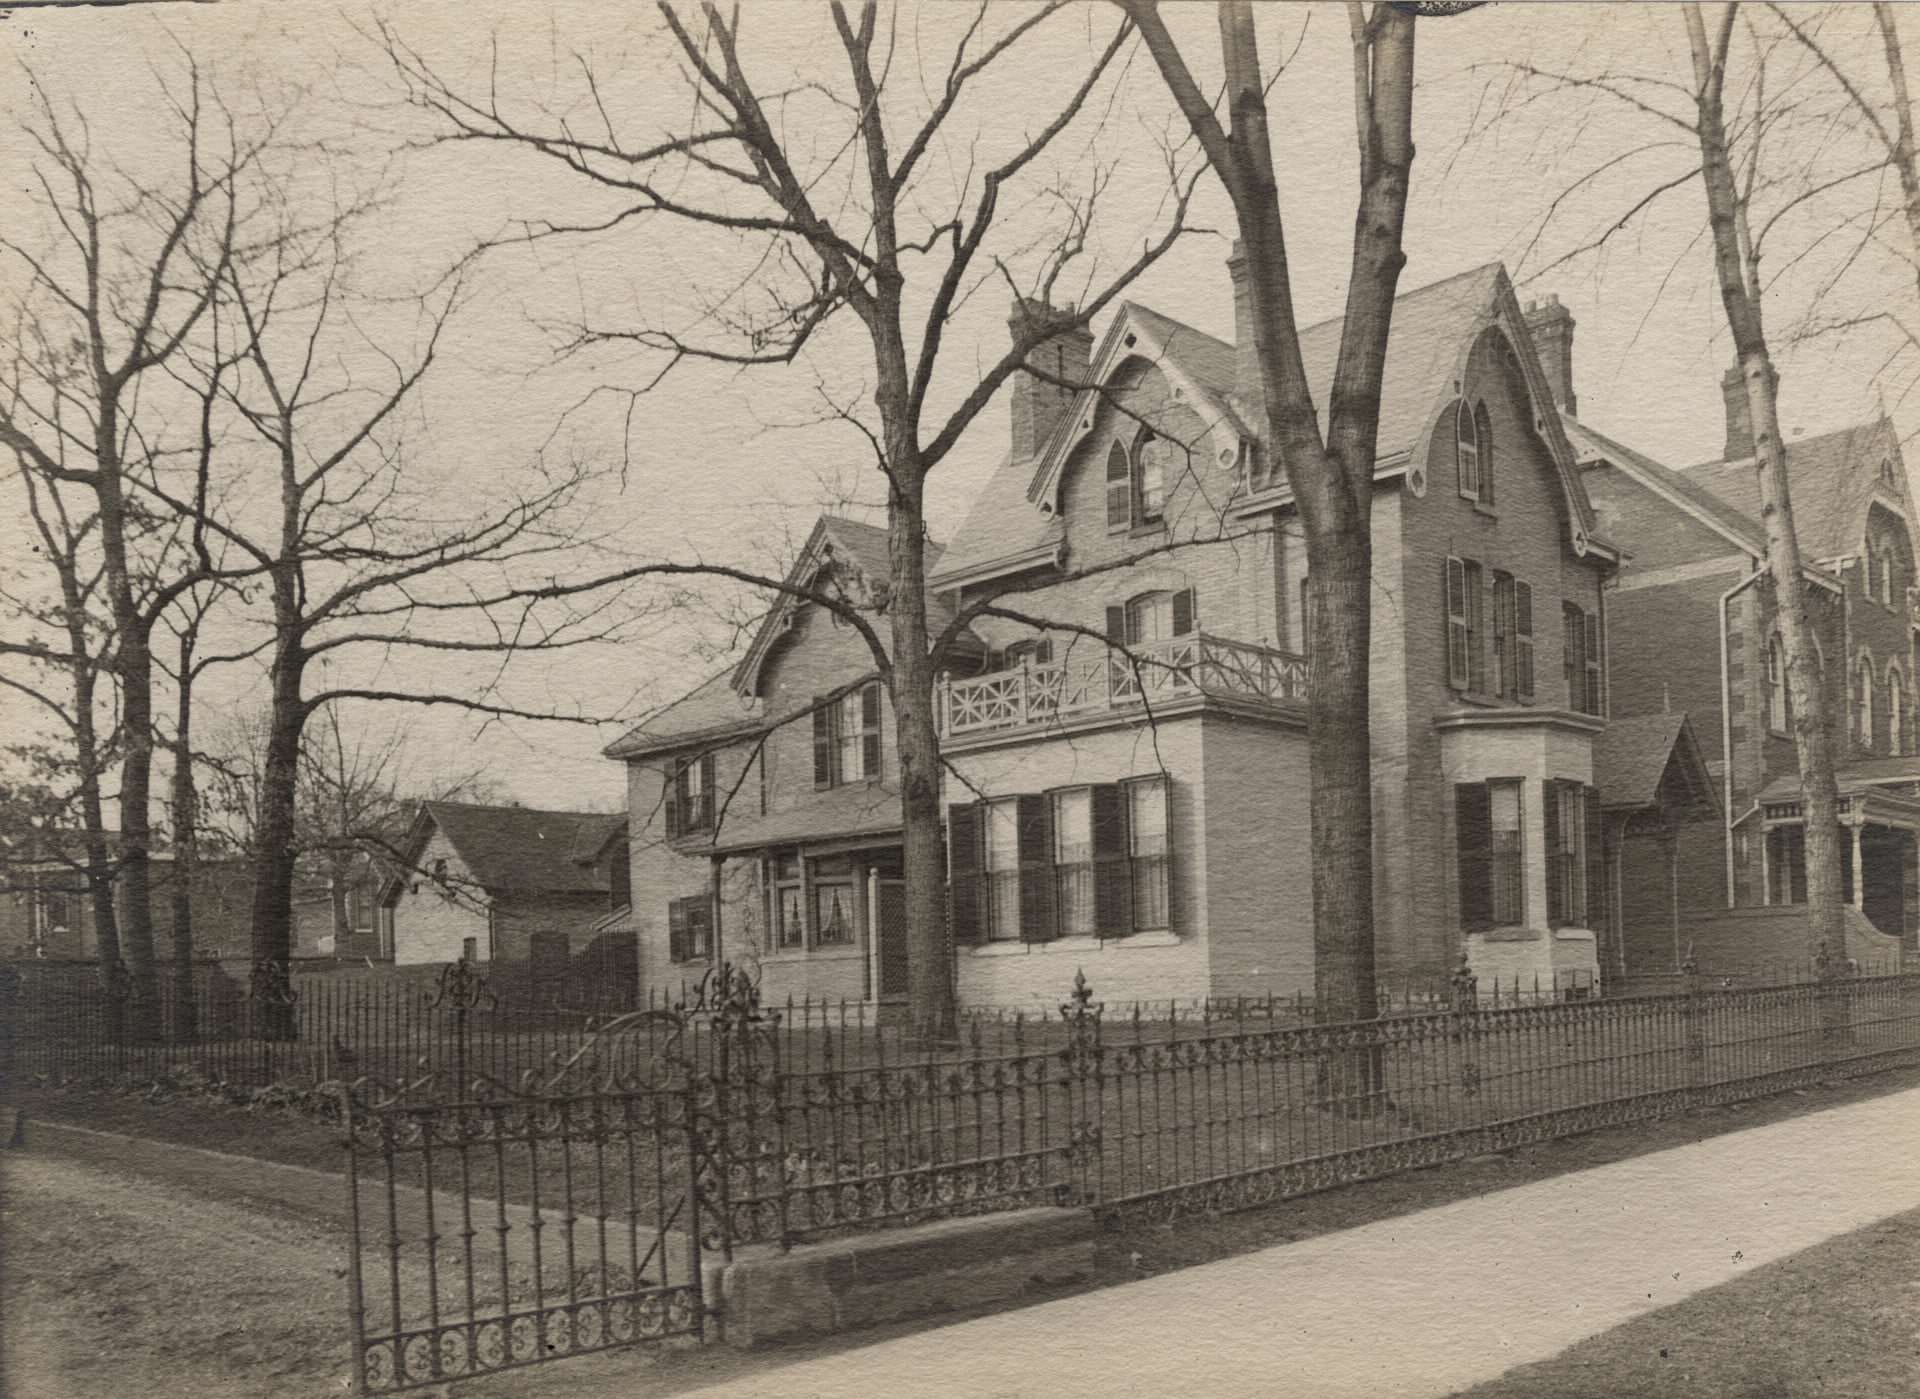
point(1480, 507)
point(1513, 933)
point(1478, 698)
point(831, 952)
point(1146, 937)
point(1151, 527)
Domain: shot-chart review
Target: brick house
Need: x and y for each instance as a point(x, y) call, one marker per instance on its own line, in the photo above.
point(504, 884)
point(1128, 783)
point(46, 909)
point(1696, 634)
point(765, 806)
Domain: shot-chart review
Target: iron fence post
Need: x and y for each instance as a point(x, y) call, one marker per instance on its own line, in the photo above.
point(1082, 1061)
point(1696, 1033)
point(1464, 1003)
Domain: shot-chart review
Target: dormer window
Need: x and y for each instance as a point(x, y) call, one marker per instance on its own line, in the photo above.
point(1473, 451)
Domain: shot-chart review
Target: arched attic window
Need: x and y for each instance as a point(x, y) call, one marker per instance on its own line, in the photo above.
point(1473, 450)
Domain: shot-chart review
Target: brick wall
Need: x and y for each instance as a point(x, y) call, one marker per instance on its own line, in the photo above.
point(1525, 533)
point(1232, 580)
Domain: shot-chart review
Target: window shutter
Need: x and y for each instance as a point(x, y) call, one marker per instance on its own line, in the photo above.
point(706, 792)
point(670, 800)
point(823, 745)
point(1456, 585)
point(1183, 612)
point(1117, 625)
point(677, 930)
point(963, 870)
point(1119, 488)
point(1550, 827)
point(1503, 683)
point(870, 731)
point(1112, 870)
point(1473, 842)
point(1043, 652)
point(1596, 861)
point(1523, 636)
point(1035, 834)
point(1595, 695)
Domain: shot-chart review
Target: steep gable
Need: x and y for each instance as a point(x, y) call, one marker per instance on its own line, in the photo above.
point(1833, 478)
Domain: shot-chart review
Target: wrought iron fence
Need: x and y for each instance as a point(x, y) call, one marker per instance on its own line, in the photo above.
point(496, 1225)
point(812, 1133)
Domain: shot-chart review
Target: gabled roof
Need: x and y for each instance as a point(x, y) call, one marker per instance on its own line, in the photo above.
point(1015, 523)
point(1633, 756)
point(727, 706)
point(710, 711)
point(1831, 478)
point(1676, 488)
point(519, 850)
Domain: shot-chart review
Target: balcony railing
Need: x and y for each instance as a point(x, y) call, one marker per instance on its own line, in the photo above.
point(1097, 680)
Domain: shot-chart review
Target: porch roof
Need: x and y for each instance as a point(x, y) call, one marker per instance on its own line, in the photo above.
point(858, 810)
point(1872, 792)
point(1650, 760)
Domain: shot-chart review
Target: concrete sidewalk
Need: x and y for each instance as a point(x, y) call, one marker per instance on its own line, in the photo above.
point(1425, 1304)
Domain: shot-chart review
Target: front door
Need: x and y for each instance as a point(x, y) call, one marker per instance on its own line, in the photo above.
point(890, 928)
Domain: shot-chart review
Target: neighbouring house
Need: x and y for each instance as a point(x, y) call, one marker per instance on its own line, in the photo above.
point(46, 909)
point(504, 884)
point(764, 807)
point(1127, 785)
point(1697, 633)
point(337, 910)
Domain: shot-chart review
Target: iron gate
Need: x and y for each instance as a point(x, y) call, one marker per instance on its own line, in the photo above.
point(495, 1226)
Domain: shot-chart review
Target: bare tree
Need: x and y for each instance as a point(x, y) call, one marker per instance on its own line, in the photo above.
point(878, 220)
point(131, 271)
point(362, 566)
point(1332, 474)
point(1742, 142)
point(70, 771)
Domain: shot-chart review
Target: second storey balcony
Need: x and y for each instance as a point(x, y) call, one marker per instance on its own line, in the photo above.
point(1093, 681)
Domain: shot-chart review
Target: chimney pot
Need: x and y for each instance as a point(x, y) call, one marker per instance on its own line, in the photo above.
point(1246, 377)
point(1039, 404)
point(1551, 327)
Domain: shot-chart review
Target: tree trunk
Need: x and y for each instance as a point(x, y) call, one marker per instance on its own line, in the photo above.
point(930, 973)
point(133, 666)
point(1740, 295)
point(275, 841)
point(185, 852)
point(1904, 161)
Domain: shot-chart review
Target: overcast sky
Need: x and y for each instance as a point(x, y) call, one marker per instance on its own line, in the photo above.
point(714, 467)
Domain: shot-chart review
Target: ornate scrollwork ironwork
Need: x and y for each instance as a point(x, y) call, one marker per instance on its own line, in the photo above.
point(462, 986)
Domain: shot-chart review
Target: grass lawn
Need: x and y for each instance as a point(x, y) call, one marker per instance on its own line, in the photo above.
point(1840, 1319)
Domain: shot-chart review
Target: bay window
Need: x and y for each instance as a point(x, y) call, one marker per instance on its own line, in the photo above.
point(1076, 862)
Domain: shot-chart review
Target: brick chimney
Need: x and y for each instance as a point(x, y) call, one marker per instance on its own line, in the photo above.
point(1246, 378)
point(1037, 404)
point(1551, 326)
point(1733, 391)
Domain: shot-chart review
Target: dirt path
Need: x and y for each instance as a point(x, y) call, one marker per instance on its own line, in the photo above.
point(115, 1286)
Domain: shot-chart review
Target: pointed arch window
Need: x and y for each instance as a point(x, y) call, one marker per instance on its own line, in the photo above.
point(1863, 702)
point(1473, 450)
point(1466, 450)
point(1776, 686)
point(1149, 479)
point(1896, 710)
